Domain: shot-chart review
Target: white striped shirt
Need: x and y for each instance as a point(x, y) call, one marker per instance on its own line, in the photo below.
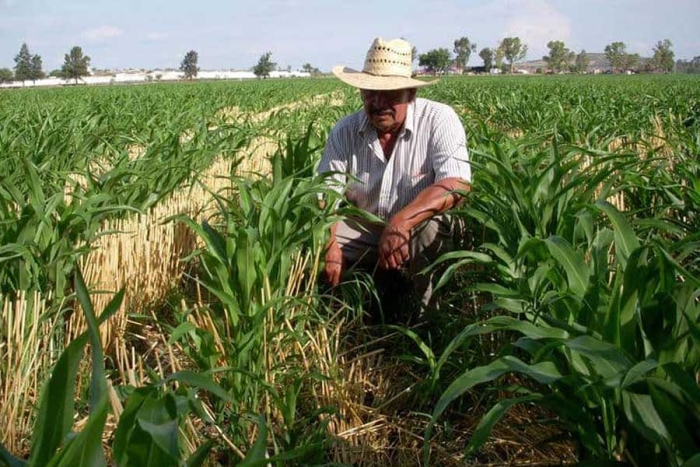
point(431, 146)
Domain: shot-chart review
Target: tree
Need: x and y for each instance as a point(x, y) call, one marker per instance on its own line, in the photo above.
point(616, 53)
point(37, 71)
point(582, 62)
point(189, 65)
point(75, 64)
point(631, 61)
point(265, 66)
point(559, 56)
point(463, 50)
point(436, 61)
point(487, 55)
point(512, 49)
point(664, 58)
point(310, 69)
point(23, 64)
point(6, 75)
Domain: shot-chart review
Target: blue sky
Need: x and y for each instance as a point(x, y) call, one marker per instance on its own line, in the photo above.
point(234, 33)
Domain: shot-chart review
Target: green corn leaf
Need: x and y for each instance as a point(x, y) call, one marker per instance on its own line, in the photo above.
point(544, 373)
point(199, 457)
point(638, 372)
point(427, 351)
point(488, 421)
point(56, 406)
point(606, 359)
point(683, 427)
point(257, 455)
point(577, 272)
point(158, 419)
point(625, 239)
point(85, 449)
point(8, 460)
point(201, 381)
point(693, 461)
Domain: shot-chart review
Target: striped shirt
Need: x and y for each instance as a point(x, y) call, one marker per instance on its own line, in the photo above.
point(430, 147)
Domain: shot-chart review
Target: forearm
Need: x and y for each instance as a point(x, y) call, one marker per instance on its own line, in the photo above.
point(436, 199)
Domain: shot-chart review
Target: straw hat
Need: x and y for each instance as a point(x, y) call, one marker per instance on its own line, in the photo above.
point(388, 66)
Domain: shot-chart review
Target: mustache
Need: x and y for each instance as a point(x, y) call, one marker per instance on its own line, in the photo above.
point(378, 111)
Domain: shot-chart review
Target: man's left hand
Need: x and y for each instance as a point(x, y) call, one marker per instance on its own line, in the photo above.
point(394, 246)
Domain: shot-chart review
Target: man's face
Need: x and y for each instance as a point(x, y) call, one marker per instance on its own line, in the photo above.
point(386, 110)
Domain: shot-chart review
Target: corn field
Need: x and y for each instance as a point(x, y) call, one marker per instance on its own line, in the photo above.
point(160, 304)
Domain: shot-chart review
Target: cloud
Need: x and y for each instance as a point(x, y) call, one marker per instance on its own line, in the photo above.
point(535, 22)
point(156, 36)
point(103, 33)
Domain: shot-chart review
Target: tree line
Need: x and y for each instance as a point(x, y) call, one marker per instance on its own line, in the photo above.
point(559, 59)
point(29, 67)
point(262, 69)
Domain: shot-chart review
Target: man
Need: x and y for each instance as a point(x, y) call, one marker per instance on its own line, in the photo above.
point(401, 158)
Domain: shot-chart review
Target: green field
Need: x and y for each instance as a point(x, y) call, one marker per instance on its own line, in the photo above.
point(184, 218)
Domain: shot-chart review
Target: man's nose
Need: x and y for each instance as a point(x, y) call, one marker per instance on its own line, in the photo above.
point(379, 99)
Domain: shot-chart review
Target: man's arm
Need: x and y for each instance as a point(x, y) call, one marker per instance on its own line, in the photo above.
point(436, 199)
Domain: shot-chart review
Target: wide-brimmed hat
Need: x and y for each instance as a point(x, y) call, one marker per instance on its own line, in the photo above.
point(388, 66)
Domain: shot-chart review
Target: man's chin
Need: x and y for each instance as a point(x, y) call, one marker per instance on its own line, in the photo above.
point(382, 123)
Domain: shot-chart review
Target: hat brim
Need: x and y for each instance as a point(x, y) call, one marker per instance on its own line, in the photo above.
point(361, 80)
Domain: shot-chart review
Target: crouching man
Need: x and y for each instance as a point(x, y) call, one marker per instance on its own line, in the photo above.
point(401, 158)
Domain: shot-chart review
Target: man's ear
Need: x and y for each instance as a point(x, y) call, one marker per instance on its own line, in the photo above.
point(412, 94)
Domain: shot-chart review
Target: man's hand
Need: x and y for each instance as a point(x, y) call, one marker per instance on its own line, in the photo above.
point(394, 246)
point(334, 264)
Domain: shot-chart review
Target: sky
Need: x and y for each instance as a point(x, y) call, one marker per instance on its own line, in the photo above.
point(149, 34)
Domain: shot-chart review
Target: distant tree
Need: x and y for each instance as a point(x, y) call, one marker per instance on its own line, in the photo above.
point(37, 71)
point(75, 64)
point(189, 65)
point(688, 66)
point(6, 75)
point(616, 54)
point(487, 55)
point(307, 67)
point(23, 64)
point(56, 73)
point(559, 56)
point(582, 62)
point(265, 66)
point(436, 61)
point(463, 49)
point(632, 61)
point(513, 50)
point(664, 58)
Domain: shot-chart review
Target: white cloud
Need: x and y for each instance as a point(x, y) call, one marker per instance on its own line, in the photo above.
point(535, 22)
point(103, 33)
point(156, 36)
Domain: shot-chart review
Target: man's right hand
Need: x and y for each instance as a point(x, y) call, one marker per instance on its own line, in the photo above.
point(334, 264)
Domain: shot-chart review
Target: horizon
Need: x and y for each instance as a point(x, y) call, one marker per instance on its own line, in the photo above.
point(133, 35)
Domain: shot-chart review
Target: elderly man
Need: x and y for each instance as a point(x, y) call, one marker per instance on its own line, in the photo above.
point(403, 159)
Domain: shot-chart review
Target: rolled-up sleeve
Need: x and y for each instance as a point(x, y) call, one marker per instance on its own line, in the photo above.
point(450, 156)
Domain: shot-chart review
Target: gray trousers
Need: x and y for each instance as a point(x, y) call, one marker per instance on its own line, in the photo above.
point(359, 243)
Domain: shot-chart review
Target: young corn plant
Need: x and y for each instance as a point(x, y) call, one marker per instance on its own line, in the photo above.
point(251, 265)
point(609, 341)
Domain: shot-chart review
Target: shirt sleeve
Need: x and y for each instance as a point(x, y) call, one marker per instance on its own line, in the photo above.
point(449, 147)
point(334, 160)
